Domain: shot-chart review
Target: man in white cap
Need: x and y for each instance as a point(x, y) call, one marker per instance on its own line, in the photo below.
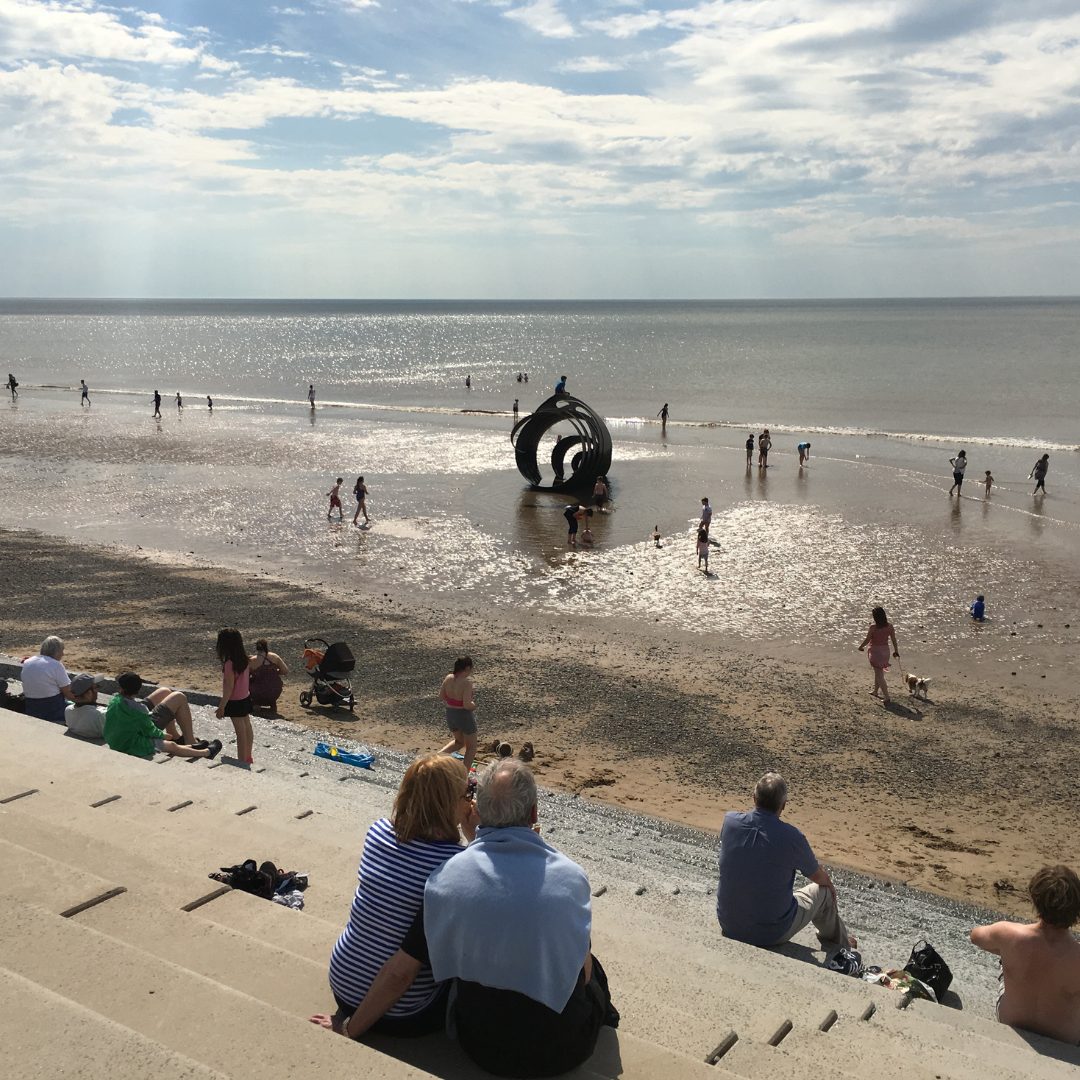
point(84, 717)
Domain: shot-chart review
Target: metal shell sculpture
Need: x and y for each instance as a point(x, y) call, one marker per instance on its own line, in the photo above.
point(591, 444)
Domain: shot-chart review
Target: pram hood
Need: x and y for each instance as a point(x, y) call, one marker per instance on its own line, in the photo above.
point(337, 660)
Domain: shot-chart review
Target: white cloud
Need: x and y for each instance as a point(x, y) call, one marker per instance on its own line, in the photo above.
point(274, 50)
point(545, 17)
point(589, 64)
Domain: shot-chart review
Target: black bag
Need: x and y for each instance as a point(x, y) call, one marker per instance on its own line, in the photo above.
point(247, 879)
point(927, 966)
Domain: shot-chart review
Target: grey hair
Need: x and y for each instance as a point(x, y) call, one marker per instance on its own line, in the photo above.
point(506, 803)
point(52, 646)
point(771, 792)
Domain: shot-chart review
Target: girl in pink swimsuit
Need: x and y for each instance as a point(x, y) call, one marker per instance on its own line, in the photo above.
point(456, 693)
point(878, 637)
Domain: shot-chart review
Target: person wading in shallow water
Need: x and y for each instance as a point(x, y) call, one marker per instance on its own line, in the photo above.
point(878, 637)
point(456, 693)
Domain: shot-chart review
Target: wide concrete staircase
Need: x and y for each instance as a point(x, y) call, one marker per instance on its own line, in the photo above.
point(121, 958)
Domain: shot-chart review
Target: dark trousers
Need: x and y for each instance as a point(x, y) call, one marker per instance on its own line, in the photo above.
point(432, 1018)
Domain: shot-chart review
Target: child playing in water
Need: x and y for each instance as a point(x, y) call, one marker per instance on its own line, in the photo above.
point(703, 549)
point(989, 483)
point(587, 537)
point(656, 535)
point(335, 499)
point(978, 609)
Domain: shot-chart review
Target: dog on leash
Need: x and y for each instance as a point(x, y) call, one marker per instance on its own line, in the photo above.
point(915, 685)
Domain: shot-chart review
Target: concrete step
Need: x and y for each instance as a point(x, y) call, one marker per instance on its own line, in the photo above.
point(181, 1011)
point(50, 1037)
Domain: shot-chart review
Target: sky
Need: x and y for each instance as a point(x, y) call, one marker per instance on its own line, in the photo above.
point(576, 149)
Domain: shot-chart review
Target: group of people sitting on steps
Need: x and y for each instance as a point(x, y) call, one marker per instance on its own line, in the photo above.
point(527, 997)
point(140, 726)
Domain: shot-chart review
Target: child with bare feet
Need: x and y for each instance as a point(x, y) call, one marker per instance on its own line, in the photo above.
point(703, 549)
point(878, 637)
point(335, 499)
point(456, 693)
point(573, 515)
point(587, 537)
point(989, 483)
point(656, 535)
point(361, 492)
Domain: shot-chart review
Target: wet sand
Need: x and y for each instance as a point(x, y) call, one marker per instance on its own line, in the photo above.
point(965, 795)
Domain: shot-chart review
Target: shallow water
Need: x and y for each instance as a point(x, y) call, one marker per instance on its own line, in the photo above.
point(802, 554)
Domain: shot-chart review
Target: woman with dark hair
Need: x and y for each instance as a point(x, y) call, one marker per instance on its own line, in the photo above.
point(236, 689)
point(959, 464)
point(456, 693)
point(879, 635)
point(432, 810)
point(267, 670)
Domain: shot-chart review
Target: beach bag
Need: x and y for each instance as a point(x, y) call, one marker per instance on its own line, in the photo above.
point(14, 702)
point(245, 877)
point(927, 966)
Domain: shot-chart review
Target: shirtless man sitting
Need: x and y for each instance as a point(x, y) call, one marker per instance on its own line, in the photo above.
point(1040, 962)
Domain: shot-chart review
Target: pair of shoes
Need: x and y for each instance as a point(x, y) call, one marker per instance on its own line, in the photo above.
point(214, 748)
point(202, 744)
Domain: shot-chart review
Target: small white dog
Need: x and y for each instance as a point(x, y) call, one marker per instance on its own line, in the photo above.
point(915, 685)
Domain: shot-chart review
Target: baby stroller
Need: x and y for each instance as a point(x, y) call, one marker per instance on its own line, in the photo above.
point(329, 668)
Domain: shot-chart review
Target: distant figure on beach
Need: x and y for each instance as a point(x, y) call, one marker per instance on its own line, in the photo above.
point(1039, 472)
point(600, 493)
point(179, 402)
point(209, 402)
point(706, 514)
point(663, 414)
point(978, 609)
point(573, 515)
point(85, 399)
point(526, 376)
point(989, 481)
point(157, 405)
point(703, 549)
point(759, 855)
point(560, 386)
point(456, 693)
point(656, 535)
point(959, 464)
point(519, 377)
point(764, 445)
point(804, 452)
point(12, 384)
point(311, 394)
point(335, 499)
point(468, 382)
point(267, 670)
point(236, 689)
point(1040, 962)
point(361, 492)
point(878, 637)
point(516, 406)
point(750, 449)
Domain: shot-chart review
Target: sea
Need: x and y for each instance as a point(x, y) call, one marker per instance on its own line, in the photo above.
point(886, 392)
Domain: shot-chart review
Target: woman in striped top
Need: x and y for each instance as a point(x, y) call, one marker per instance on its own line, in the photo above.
point(432, 810)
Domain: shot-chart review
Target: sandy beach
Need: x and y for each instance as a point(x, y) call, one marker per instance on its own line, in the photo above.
point(964, 795)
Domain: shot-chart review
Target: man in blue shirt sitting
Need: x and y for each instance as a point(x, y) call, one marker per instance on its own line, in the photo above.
point(759, 855)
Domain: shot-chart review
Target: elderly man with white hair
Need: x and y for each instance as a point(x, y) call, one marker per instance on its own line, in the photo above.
point(510, 920)
point(45, 682)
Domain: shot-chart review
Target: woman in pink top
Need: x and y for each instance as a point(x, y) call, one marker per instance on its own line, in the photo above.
point(878, 637)
point(236, 689)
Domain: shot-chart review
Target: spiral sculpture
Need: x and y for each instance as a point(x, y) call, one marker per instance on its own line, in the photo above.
point(591, 444)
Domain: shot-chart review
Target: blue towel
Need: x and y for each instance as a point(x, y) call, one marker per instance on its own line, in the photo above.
point(512, 913)
point(361, 761)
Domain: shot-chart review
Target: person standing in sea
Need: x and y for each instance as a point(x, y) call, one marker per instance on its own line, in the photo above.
point(663, 414)
point(85, 399)
point(959, 464)
point(157, 405)
point(361, 492)
point(456, 693)
point(764, 444)
point(468, 382)
point(749, 449)
point(515, 410)
point(311, 394)
point(1039, 471)
point(209, 402)
point(179, 402)
point(12, 383)
point(879, 635)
